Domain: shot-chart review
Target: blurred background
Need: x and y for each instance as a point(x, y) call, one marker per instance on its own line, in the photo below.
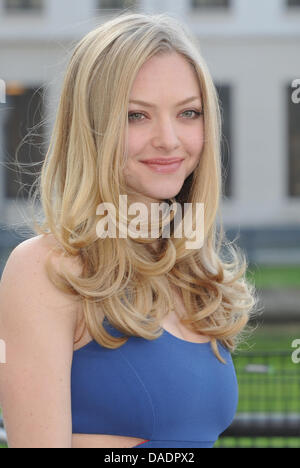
point(252, 48)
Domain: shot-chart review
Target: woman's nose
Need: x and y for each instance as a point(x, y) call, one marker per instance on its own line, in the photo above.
point(166, 136)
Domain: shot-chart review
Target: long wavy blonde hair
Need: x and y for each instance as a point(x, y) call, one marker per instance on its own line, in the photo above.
point(126, 279)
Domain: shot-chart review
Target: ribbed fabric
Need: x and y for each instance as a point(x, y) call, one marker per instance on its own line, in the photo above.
point(170, 392)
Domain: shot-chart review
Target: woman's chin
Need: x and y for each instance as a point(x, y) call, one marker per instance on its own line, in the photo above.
point(161, 195)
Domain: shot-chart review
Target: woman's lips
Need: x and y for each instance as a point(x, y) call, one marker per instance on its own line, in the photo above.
point(165, 168)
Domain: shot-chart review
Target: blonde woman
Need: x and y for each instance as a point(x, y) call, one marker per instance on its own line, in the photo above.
point(125, 341)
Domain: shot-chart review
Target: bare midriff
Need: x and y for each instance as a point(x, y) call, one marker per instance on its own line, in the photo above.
point(104, 441)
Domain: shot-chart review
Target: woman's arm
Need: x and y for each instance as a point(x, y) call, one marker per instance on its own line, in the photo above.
point(37, 323)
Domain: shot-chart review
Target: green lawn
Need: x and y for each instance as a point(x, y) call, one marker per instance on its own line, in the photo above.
point(287, 276)
point(258, 442)
point(267, 337)
point(277, 389)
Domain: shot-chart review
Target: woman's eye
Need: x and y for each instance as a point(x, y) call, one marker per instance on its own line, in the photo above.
point(196, 115)
point(134, 113)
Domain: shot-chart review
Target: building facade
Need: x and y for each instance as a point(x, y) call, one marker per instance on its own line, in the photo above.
point(252, 49)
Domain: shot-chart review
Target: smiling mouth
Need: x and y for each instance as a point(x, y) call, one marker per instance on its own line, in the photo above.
point(162, 160)
point(164, 168)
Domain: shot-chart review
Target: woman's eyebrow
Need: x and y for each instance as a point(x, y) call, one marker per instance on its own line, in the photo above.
point(148, 104)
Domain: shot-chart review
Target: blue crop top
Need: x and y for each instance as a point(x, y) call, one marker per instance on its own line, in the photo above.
point(171, 392)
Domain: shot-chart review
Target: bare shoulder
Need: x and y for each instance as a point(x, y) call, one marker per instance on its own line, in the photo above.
point(25, 271)
point(37, 323)
point(43, 244)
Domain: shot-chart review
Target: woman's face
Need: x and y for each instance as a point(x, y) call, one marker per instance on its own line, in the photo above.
point(164, 130)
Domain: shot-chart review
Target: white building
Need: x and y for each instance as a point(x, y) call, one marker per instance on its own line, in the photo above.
point(253, 51)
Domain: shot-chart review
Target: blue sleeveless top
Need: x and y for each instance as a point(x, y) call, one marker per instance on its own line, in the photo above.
point(171, 392)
